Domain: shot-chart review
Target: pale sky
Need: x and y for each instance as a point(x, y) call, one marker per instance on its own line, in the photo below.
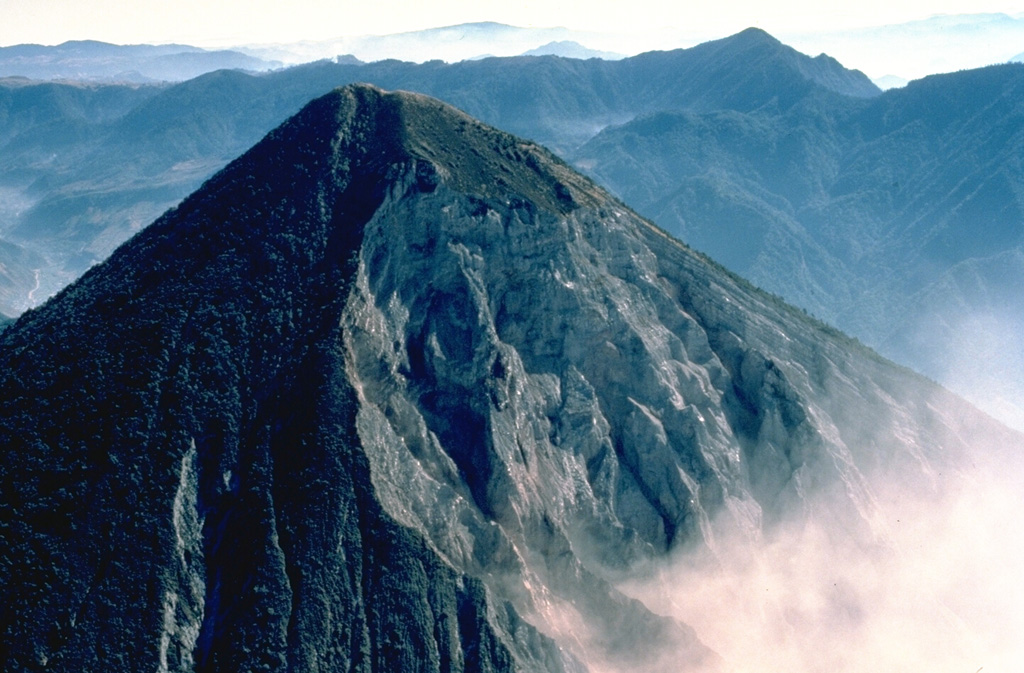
point(218, 23)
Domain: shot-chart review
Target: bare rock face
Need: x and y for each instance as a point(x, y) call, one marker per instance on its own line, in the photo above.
point(396, 391)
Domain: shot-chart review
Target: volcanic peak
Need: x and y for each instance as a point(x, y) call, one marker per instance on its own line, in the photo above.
point(385, 128)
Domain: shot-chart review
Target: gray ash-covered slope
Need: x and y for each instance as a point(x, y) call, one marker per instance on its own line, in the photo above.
point(396, 391)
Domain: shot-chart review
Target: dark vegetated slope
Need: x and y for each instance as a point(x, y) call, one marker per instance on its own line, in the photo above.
point(397, 391)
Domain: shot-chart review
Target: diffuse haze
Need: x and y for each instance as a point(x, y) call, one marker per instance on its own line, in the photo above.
point(932, 582)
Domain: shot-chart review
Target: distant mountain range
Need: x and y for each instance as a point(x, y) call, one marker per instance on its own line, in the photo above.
point(90, 61)
point(398, 392)
point(941, 43)
point(911, 50)
point(889, 53)
point(447, 43)
point(894, 215)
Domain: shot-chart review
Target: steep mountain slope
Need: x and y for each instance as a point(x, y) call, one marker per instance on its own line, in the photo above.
point(894, 218)
point(398, 391)
point(89, 190)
